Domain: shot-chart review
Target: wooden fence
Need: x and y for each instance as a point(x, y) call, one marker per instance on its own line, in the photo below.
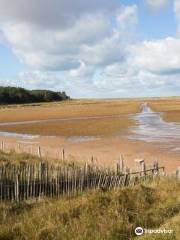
point(34, 149)
point(21, 182)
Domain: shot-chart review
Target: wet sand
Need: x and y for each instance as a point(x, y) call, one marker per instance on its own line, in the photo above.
point(152, 128)
point(105, 150)
point(151, 139)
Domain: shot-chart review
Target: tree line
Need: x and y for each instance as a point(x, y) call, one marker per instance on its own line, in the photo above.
point(17, 95)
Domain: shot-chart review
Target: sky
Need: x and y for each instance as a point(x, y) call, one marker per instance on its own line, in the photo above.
point(91, 49)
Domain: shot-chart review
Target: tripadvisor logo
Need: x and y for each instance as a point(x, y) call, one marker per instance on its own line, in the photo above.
point(139, 231)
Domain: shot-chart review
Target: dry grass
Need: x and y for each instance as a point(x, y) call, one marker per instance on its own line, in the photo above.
point(106, 126)
point(25, 158)
point(95, 215)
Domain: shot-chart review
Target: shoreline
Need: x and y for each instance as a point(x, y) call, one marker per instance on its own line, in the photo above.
point(105, 151)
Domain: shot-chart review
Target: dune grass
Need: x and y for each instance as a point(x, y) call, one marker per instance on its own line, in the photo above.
point(25, 158)
point(96, 215)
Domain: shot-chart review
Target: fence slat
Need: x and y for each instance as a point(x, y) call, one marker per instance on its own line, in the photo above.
point(24, 181)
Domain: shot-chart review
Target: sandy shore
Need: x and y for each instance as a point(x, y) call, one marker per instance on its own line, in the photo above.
point(144, 125)
point(105, 150)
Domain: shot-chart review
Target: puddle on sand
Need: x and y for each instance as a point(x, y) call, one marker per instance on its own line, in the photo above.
point(82, 138)
point(18, 135)
point(31, 137)
point(152, 128)
point(27, 142)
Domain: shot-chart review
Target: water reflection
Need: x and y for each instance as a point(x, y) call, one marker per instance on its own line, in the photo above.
point(18, 135)
point(152, 128)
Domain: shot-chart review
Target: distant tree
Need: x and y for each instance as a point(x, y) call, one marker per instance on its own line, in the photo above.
point(13, 95)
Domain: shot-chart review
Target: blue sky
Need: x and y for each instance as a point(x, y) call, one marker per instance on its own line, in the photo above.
point(98, 49)
point(154, 24)
point(10, 64)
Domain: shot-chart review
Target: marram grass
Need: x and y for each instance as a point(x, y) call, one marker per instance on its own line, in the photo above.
point(96, 215)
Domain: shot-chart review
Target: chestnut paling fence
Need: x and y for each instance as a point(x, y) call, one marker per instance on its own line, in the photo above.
point(21, 182)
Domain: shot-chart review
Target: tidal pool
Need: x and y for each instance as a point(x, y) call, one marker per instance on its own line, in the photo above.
point(18, 135)
point(152, 128)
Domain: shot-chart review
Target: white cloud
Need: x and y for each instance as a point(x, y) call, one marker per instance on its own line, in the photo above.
point(95, 38)
point(88, 48)
point(68, 49)
point(150, 67)
point(52, 13)
point(55, 49)
point(157, 5)
point(70, 81)
point(127, 16)
point(160, 56)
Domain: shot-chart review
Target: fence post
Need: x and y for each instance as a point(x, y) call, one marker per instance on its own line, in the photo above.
point(117, 168)
point(17, 197)
point(126, 179)
point(19, 147)
point(92, 160)
point(121, 163)
point(2, 146)
point(156, 167)
point(143, 168)
point(178, 174)
point(39, 151)
point(63, 154)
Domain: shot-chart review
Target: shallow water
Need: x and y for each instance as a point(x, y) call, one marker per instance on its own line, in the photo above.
point(18, 135)
point(152, 128)
point(27, 142)
point(82, 138)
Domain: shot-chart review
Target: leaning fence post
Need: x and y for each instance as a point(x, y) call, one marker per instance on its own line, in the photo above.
point(156, 167)
point(126, 182)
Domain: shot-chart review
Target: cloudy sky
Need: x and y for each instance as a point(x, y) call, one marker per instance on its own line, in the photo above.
point(97, 48)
